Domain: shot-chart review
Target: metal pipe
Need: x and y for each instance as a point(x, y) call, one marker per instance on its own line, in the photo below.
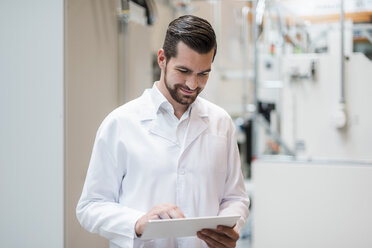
point(217, 12)
point(255, 79)
point(342, 100)
point(244, 43)
point(124, 11)
point(123, 60)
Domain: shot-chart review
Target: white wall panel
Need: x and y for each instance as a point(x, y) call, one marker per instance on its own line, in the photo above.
point(307, 205)
point(31, 124)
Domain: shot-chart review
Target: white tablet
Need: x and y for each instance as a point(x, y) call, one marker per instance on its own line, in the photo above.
point(167, 228)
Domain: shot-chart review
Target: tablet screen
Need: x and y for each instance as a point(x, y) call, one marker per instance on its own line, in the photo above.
point(167, 228)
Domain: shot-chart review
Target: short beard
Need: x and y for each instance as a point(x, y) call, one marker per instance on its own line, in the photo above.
point(181, 99)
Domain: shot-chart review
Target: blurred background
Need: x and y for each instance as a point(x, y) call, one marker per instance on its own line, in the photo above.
point(295, 75)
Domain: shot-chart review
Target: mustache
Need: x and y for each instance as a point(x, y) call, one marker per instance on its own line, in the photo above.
point(197, 89)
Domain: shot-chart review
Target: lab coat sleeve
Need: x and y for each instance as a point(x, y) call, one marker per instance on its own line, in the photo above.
point(235, 200)
point(98, 210)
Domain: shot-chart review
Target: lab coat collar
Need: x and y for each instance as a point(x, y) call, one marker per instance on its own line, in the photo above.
point(198, 116)
point(198, 122)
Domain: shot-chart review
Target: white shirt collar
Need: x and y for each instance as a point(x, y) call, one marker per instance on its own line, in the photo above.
point(153, 99)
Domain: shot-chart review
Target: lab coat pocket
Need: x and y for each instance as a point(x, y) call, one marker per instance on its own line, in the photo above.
point(148, 244)
point(215, 152)
point(214, 165)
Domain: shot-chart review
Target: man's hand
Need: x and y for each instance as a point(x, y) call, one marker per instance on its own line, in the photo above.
point(222, 237)
point(161, 211)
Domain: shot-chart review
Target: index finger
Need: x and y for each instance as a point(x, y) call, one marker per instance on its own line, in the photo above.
point(176, 213)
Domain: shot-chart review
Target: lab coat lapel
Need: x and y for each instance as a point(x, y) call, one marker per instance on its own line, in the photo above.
point(157, 128)
point(149, 119)
point(197, 125)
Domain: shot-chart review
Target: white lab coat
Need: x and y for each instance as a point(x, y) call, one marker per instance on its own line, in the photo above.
point(137, 163)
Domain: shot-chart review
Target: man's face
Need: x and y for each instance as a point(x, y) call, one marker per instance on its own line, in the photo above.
point(186, 75)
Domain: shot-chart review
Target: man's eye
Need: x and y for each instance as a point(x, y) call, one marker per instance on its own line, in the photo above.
point(184, 71)
point(203, 74)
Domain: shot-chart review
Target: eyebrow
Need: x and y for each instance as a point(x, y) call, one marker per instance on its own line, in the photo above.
point(188, 69)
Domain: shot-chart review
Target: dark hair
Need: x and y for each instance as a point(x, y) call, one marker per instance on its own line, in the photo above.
point(197, 33)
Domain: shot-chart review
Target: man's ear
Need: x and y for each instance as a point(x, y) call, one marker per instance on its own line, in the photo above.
point(161, 59)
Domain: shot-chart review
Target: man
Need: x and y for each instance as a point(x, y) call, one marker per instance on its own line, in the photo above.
point(167, 154)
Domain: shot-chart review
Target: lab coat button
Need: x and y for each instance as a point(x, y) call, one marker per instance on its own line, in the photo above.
point(182, 172)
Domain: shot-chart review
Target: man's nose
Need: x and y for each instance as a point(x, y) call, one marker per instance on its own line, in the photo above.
point(192, 82)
